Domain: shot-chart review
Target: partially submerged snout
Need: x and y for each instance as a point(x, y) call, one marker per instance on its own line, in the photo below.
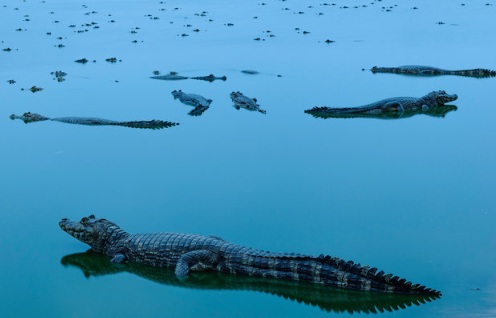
point(442, 97)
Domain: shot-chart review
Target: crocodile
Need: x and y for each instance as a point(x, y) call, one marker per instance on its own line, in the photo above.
point(191, 99)
point(210, 78)
point(242, 101)
point(173, 76)
point(420, 70)
point(185, 253)
point(436, 111)
point(326, 298)
point(393, 105)
point(91, 121)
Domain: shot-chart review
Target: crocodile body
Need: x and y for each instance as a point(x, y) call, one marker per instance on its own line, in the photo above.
point(187, 252)
point(91, 121)
point(242, 101)
point(328, 299)
point(421, 70)
point(394, 105)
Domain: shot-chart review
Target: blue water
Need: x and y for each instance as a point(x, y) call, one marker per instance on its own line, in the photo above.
point(411, 196)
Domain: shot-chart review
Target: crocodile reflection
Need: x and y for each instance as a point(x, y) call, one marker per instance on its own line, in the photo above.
point(92, 121)
point(328, 299)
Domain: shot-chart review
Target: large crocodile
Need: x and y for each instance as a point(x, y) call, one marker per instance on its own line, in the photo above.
point(188, 252)
point(326, 298)
point(421, 70)
point(91, 121)
point(394, 105)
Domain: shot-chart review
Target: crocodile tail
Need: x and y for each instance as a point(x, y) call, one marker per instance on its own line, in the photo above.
point(478, 72)
point(328, 271)
point(147, 124)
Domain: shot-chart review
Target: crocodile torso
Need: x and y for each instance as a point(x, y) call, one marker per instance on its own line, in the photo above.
point(188, 252)
point(91, 121)
point(390, 105)
point(422, 70)
point(242, 101)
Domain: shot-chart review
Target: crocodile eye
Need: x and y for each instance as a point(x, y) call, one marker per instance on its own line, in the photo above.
point(84, 220)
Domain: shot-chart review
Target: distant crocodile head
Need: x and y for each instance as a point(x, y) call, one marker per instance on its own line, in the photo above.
point(29, 117)
point(95, 232)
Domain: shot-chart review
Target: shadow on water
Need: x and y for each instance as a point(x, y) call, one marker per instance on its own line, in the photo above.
point(326, 298)
point(28, 118)
point(437, 111)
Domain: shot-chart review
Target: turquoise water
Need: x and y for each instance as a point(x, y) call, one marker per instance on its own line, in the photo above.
point(412, 196)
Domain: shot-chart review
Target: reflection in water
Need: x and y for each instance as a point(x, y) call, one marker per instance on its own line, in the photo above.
point(91, 121)
point(436, 111)
point(326, 298)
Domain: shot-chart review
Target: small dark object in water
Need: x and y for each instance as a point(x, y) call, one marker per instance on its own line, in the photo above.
point(250, 72)
point(82, 61)
point(35, 89)
point(11, 81)
point(112, 60)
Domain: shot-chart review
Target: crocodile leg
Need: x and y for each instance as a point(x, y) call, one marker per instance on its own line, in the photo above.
point(394, 106)
point(118, 258)
point(198, 260)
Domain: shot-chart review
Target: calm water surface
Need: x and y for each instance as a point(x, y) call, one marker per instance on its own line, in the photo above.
point(412, 196)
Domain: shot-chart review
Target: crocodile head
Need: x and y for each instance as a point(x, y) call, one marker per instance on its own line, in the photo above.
point(29, 117)
point(95, 232)
point(441, 97)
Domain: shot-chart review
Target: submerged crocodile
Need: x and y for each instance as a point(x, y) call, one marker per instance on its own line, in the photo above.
point(91, 121)
point(173, 76)
point(421, 70)
point(209, 78)
point(187, 252)
point(394, 105)
point(326, 298)
point(242, 101)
